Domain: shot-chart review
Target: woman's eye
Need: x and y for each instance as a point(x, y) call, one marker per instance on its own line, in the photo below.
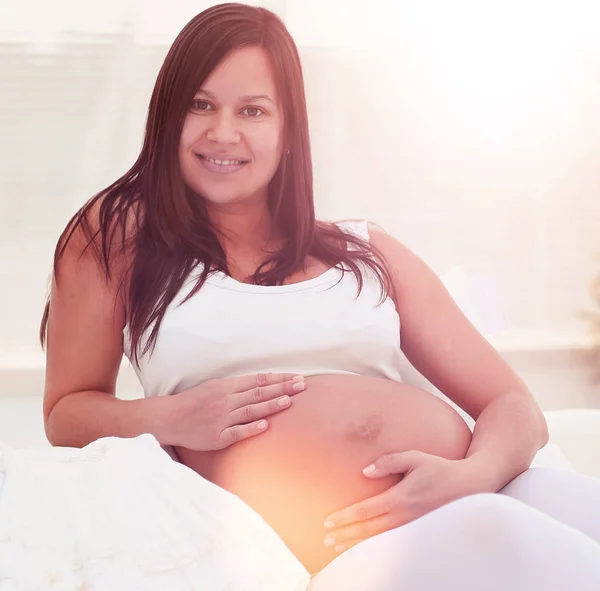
point(201, 105)
point(252, 111)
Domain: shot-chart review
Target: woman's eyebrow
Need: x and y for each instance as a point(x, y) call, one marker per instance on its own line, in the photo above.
point(208, 93)
point(248, 98)
point(256, 97)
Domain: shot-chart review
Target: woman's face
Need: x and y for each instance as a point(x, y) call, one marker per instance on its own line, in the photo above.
point(231, 141)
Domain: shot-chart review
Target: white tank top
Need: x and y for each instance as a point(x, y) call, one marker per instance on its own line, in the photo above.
point(312, 327)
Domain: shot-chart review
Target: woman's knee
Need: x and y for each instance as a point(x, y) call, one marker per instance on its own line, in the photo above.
point(531, 480)
point(484, 505)
point(486, 517)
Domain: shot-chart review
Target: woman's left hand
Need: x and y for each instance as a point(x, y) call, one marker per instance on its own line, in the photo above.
point(428, 483)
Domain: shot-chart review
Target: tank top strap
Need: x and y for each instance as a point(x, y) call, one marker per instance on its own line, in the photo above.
point(358, 228)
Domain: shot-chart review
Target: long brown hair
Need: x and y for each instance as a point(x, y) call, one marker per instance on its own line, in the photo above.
point(172, 234)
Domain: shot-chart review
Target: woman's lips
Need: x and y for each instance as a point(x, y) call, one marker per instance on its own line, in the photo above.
point(221, 166)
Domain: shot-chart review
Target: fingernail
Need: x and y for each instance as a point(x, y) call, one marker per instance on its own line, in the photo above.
point(262, 424)
point(284, 401)
point(297, 378)
point(298, 386)
point(369, 470)
point(340, 548)
point(329, 542)
point(329, 524)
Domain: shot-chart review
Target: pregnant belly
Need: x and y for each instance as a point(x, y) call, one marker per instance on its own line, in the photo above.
point(309, 462)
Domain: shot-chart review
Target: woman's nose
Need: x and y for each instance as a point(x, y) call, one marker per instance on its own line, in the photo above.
point(223, 130)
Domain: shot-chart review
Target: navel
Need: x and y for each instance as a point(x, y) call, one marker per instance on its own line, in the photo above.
point(365, 428)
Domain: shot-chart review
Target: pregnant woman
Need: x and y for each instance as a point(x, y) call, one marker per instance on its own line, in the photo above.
point(269, 344)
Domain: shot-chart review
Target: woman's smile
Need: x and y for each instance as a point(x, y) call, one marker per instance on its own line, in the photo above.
point(221, 165)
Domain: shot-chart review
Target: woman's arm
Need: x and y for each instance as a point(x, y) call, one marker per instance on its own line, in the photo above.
point(84, 351)
point(79, 418)
point(446, 348)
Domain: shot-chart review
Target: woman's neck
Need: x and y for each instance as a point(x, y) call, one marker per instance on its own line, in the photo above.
point(251, 230)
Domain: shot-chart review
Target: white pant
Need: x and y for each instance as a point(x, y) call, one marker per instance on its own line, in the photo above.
point(543, 533)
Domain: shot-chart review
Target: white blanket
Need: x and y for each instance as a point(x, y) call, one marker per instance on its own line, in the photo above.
point(121, 514)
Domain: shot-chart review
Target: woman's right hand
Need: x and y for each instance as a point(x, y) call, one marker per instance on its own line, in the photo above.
point(220, 412)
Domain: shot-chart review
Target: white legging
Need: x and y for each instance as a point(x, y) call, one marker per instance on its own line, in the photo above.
point(542, 533)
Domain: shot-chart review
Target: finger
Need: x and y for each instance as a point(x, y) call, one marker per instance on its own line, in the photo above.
point(253, 412)
point(263, 393)
point(340, 548)
point(398, 463)
point(346, 536)
point(235, 433)
point(244, 383)
point(367, 509)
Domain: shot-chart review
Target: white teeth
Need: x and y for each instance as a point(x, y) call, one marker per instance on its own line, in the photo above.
point(224, 162)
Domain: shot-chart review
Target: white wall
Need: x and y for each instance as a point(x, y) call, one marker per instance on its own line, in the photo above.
point(475, 152)
point(469, 130)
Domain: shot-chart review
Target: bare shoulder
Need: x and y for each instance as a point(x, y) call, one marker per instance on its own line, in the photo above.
point(396, 253)
point(409, 273)
point(98, 241)
point(96, 253)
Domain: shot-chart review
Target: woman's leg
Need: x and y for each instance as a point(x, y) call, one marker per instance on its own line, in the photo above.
point(570, 497)
point(485, 542)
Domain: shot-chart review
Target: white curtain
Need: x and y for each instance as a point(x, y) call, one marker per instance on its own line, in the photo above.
point(470, 130)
